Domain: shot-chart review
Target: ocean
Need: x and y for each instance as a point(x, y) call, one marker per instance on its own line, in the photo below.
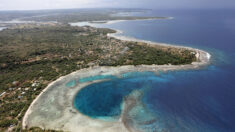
point(179, 101)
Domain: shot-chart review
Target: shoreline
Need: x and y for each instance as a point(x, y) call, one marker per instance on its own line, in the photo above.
point(125, 38)
point(33, 116)
point(117, 21)
point(199, 52)
point(93, 23)
point(2, 28)
point(41, 111)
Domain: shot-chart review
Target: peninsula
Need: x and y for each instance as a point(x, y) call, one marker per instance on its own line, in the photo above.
point(34, 55)
point(57, 98)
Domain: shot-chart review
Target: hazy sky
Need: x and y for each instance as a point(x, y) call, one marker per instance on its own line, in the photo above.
point(156, 4)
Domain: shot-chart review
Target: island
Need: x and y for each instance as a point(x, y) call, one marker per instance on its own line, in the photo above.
point(38, 58)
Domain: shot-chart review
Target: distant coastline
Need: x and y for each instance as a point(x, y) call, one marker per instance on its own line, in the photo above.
point(90, 23)
point(116, 21)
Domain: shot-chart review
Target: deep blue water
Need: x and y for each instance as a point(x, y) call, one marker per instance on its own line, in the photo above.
point(91, 101)
point(193, 100)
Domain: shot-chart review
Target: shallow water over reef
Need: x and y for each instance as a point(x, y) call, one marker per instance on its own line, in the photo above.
point(166, 104)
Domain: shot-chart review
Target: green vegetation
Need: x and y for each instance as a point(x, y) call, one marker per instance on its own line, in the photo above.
point(149, 55)
point(32, 56)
